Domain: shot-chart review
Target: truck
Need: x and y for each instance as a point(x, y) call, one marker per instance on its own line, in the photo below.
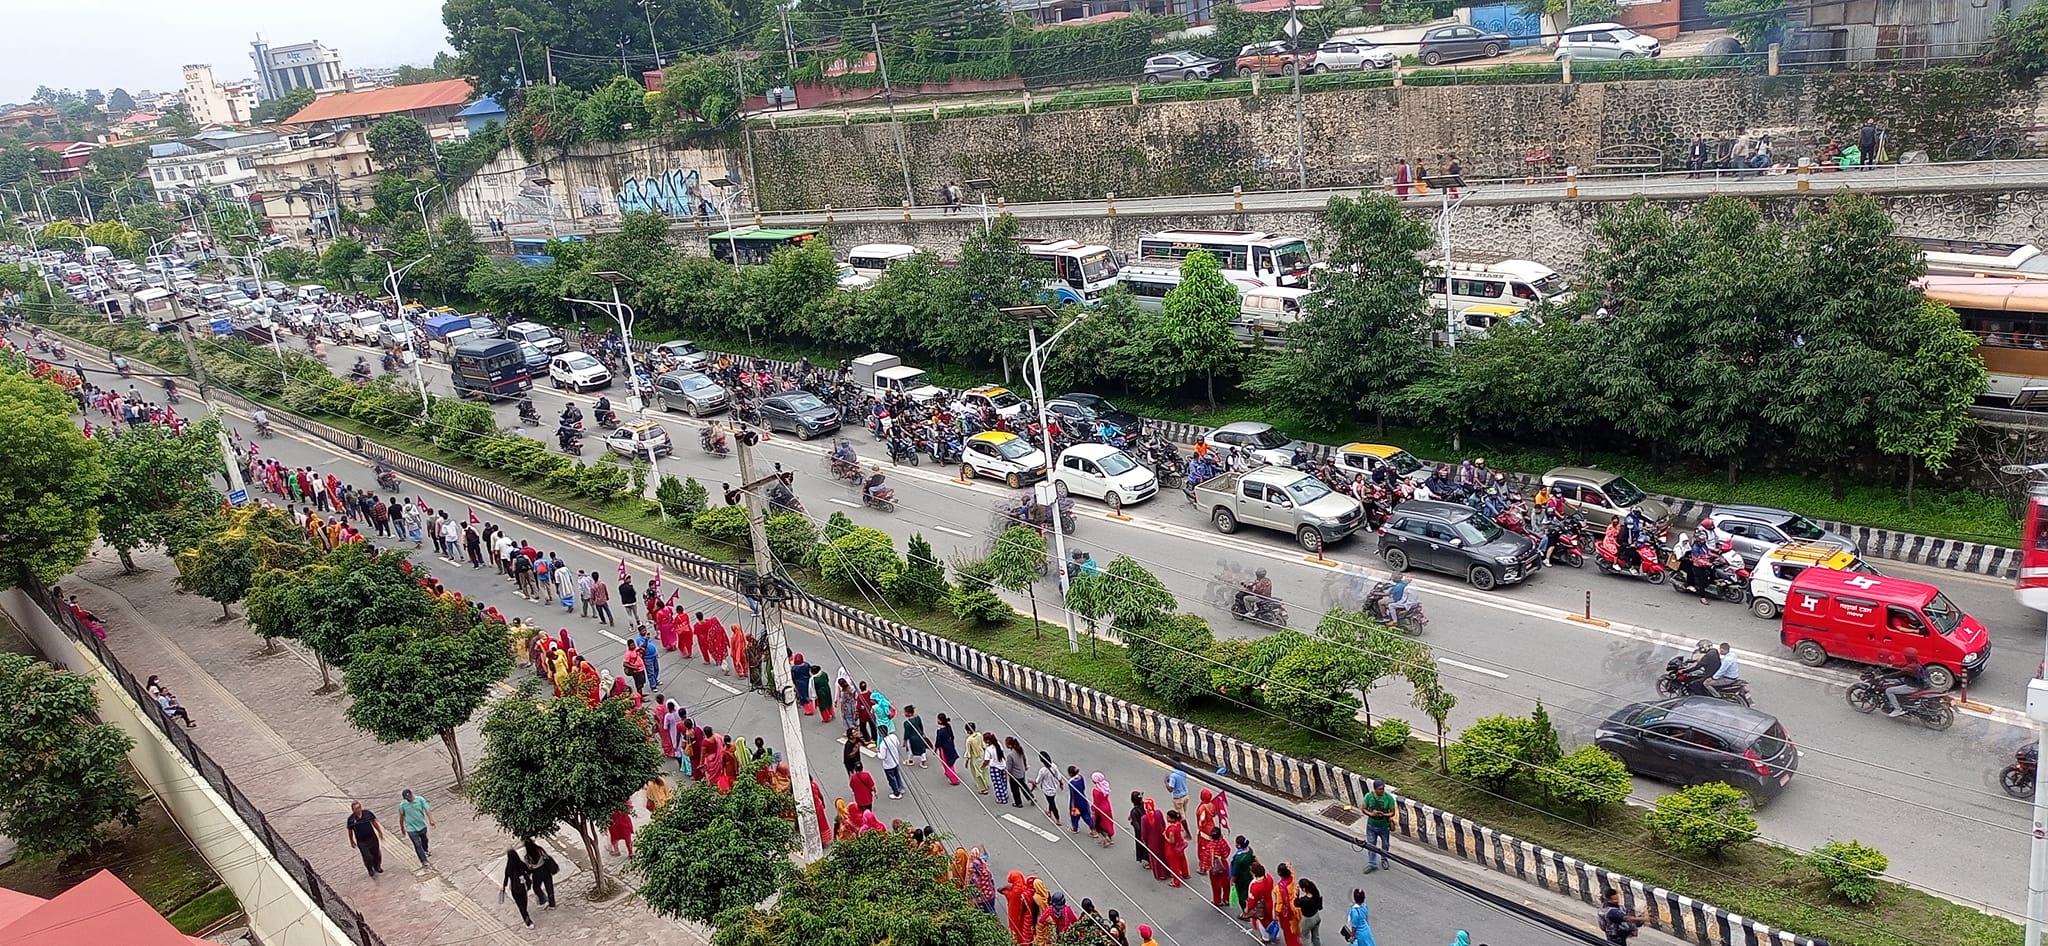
point(444, 332)
point(879, 373)
point(489, 370)
point(1280, 498)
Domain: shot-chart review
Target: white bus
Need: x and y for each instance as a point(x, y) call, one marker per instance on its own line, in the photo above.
point(1250, 258)
point(864, 264)
point(1494, 281)
point(1080, 271)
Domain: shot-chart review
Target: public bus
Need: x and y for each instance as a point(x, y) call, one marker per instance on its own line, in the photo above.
point(1080, 271)
point(1250, 258)
point(2009, 316)
point(2031, 586)
point(533, 251)
point(753, 245)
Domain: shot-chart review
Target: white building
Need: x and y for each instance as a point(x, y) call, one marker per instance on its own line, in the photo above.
point(220, 161)
point(211, 103)
point(280, 69)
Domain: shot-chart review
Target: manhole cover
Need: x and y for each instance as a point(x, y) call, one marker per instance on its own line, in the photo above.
point(1342, 814)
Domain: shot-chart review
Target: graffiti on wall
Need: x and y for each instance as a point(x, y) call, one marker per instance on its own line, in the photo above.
point(591, 199)
point(674, 193)
point(534, 203)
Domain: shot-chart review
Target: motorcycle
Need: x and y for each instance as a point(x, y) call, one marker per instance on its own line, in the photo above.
point(902, 450)
point(1682, 676)
point(1650, 565)
point(1514, 518)
point(1931, 707)
point(1379, 602)
point(882, 498)
point(571, 438)
point(713, 442)
point(846, 465)
point(607, 417)
point(1728, 583)
point(388, 478)
point(945, 450)
point(2018, 778)
point(264, 430)
point(1565, 539)
point(528, 413)
point(1262, 609)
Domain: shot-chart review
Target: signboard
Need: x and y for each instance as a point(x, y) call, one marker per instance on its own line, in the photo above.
point(239, 497)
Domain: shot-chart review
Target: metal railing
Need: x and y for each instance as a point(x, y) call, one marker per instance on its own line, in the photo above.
point(301, 870)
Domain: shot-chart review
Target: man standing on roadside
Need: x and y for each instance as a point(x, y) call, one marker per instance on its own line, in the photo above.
point(415, 815)
point(601, 600)
point(364, 834)
point(1379, 826)
point(1177, 787)
point(583, 585)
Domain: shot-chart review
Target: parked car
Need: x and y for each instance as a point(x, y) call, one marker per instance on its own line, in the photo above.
point(991, 397)
point(1446, 43)
point(1095, 469)
point(1339, 55)
point(1273, 59)
point(577, 371)
point(692, 392)
point(685, 353)
point(801, 413)
point(1262, 441)
point(1103, 410)
point(1166, 67)
point(1694, 739)
point(1759, 529)
point(1454, 539)
point(1770, 577)
point(1004, 456)
point(1605, 41)
point(1283, 499)
point(535, 358)
point(638, 440)
point(1603, 497)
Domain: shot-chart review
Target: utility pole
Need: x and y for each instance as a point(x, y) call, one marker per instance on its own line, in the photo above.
point(739, 88)
point(547, 55)
point(1300, 124)
point(788, 41)
point(889, 96)
point(236, 485)
point(769, 592)
point(648, 5)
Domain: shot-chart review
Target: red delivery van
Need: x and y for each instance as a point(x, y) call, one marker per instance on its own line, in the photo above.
point(1871, 619)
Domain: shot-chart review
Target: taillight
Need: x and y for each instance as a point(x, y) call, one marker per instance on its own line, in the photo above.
point(1757, 762)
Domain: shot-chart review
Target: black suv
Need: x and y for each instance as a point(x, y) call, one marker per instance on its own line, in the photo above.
point(1694, 739)
point(1455, 540)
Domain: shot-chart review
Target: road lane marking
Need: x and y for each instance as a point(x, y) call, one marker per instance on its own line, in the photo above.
point(714, 681)
point(611, 635)
point(1028, 826)
point(843, 502)
point(964, 535)
point(1475, 668)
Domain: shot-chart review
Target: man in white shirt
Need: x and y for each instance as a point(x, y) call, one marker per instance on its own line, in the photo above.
point(583, 585)
point(890, 752)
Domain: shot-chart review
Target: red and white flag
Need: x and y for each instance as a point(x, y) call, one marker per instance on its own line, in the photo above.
point(624, 576)
point(654, 584)
point(473, 520)
point(422, 501)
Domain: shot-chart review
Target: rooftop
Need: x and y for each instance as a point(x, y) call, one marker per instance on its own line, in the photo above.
point(404, 98)
point(481, 107)
point(100, 909)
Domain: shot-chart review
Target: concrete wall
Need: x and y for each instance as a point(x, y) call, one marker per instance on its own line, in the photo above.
point(596, 185)
point(279, 911)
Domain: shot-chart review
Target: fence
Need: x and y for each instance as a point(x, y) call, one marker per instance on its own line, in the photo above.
point(301, 870)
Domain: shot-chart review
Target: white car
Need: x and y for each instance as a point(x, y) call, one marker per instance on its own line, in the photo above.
point(991, 397)
point(1100, 470)
point(578, 371)
point(1004, 456)
point(1339, 55)
point(1605, 41)
point(639, 440)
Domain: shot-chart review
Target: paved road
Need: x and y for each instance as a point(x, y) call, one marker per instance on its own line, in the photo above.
point(1503, 651)
point(1408, 907)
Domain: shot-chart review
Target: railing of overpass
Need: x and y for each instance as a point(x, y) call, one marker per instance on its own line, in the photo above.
point(330, 901)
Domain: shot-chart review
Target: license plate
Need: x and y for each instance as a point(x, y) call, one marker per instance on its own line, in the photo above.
point(1785, 778)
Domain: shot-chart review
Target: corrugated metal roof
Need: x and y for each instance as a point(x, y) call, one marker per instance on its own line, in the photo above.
point(482, 106)
point(403, 98)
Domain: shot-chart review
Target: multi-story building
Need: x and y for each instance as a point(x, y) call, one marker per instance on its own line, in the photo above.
point(218, 161)
point(73, 156)
point(211, 103)
point(304, 190)
point(280, 69)
point(433, 104)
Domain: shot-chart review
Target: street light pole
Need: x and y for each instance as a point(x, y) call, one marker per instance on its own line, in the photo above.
point(1444, 242)
point(519, 43)
point(1035, 361)
point(236, 485)
point(419, 199)
point(623, 315)
point(648, 5)
point(398, 303)
point(1300, 126)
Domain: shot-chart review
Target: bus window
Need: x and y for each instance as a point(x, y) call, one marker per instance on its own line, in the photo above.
point(1262, 261)
point(1522, 291)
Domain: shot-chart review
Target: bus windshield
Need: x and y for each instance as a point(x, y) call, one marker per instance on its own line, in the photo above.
point(1096, 267)
point(1552, 286)
point(1292, 257)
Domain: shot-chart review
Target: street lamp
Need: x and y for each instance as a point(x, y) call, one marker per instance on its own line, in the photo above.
point(1448, 206)
point(1035, 361)
point(519, 43)
point(648, 5)
point(726, 185)
point(623, 315)
point(981, 186)
point(548, 198)
point(419, 199)
point(398, 302)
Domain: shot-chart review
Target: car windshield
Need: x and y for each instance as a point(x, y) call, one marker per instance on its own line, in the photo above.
point(1649, 714)
point(1403, 462)
point(1004, 400)
point(1267, 439)
point(1015, 448)
point(1622, 493)
point(805, 402)
point(1307, 490)
point(1552, 286)
point(697, 382)
point(1292, 257)
point(579, 362)
point(1800, 527)
point(1116, 464)
point(1944, 613)
point(530, 353)
point(1476, 531)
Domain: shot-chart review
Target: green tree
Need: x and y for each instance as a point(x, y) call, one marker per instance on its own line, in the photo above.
point(1702, 819)
point(284, 106)
point(119, 102)
point(66, 775)
point(155, 480)
point(1016, 560)
point(614, 111)
point(339, 261)
point(290, 263)
point(1930, 410)
point(1313, 684)
point(1589, 780)
point(1758, 23)
point(51, 479)
point(561, 762)
point(324, 604)
point(993, 274)
point(707, 852)
point(178, 121)
point(400, 143)
point(922, 583)
point(222, 566)
point(1520, 379)
point(1363, 335)
point(1197, 318)
point(701, 90)
point(1170, 656)
point(2019, 44)
point(454, 255)
point(874, 888)
point(408, 684)
point(1124, 592)
point(154, 220)
point(861, 560)
point(549, 119)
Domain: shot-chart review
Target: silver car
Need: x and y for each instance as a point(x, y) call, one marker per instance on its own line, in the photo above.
point(1605, 41)
point(1261, 441)
point(1757, 529)
point(1339, 55)
point(691, 392)
point(1181, 65)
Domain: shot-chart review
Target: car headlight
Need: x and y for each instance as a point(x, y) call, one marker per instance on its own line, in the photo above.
point(1973, 659)
point(1505, 559)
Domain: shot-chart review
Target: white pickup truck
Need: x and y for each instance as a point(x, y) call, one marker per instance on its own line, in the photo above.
point(1282, 498)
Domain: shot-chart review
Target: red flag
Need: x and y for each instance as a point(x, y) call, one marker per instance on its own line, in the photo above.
point(654, 584)
point(473, 520)
point(422, 501)
point(624, 576)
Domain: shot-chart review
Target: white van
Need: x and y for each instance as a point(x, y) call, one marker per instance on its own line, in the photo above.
point(1267, 312)
point(864, 264)
point(1495, 282)
point(362, 326)
point(313, 293)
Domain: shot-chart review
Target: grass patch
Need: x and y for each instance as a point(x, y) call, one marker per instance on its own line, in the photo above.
point(152, 858)
point(205, 910)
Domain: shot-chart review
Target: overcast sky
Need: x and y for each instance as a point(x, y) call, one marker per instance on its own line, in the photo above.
point(140, 44)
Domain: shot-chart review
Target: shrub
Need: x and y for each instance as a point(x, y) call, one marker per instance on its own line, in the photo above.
point(1313, 684)
point(978, 605)
point(1850, 868)
point(837, 525)
point(1500, 750)
point(1702, 819)
point(725, 525)
point(1224, 658)
point(2019, 44)
point(1170, 657)
point(791, 536)
point(683, 499)
point(1589, 779)
point(860, 560)
point(922, 582)
point(1391, 735)
point(456, 423)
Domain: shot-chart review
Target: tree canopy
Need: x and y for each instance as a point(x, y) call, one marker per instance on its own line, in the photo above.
point(156, 479)
point(51, 479)
point(400, 143)
point(707, 852)
point(407, 684)
point(873, 888)
point(66, 778)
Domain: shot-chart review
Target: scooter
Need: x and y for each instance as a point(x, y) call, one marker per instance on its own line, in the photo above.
point(902, 449)
point(263, 429)
point(388, 478)
point(882, 498)
point(1566, 538)
point(1683, 676)
point(1264, 610)
point(528, 413)
point(1729, 583)
point(2018, 778)
point(713, 442)
point(571, 438)
point(1650, 565)
point(1932, 708)
point(1379, 602)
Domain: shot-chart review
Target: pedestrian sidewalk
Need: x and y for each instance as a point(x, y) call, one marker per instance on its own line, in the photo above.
point(296, 757)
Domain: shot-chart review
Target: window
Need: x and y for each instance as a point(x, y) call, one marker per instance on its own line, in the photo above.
point(216, 169)
point(1592, 497)
point(191, 173)
point(1902, 621)
point(246, 164)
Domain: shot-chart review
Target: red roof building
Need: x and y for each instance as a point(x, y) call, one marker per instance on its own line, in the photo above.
point(430, 102)
point(75, 154)
point(100, 909)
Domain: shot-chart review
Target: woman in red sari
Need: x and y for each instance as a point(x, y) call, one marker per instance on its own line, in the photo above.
point(1152, 831)
point(714, 641)
point(1103, 808)
point(1018, 895)
point(665, 625)
point(730, 766)
point(739, 649)
point(621, 830)
point(1176, 847)
point(693, 746)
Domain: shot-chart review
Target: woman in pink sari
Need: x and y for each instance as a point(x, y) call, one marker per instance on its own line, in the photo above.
point(1152, 831)
point(1103, 808)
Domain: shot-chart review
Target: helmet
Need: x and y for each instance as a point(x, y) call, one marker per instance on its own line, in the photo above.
point(1706, 645)
point(1727, 546)
point(1260, 574)
point(1707, 523)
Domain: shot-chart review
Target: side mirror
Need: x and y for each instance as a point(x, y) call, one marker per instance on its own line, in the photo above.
point(1457, 543)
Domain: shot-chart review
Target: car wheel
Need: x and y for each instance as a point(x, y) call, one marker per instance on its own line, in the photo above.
point(967, 471)
point(1397, 560)
point(1628, 55)
point(1154, 78)
point(1940, 678)
point(1192, 76)
point(1482, 578)
point(1225, 522)
point(1311, 540)
point(1287, 69)
point(1810, 653)
point(1432, 58)
point(1013, 480)
point(1763, 608)
point(1111, 499)
point(1245, 72)
point(1492, 50)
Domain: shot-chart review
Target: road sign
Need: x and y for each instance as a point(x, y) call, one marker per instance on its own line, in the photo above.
point(239, 497)
point(1293, 26)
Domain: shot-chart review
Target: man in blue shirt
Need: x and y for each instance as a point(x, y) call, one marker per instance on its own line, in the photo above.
point(1177, 786)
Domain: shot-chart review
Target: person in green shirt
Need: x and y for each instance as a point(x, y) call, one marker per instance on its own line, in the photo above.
point(415, 815)
point(1379, 826)
point(821, 687)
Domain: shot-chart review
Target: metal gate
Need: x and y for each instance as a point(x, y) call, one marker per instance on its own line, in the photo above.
point(1525, 29)
point(1692, 14)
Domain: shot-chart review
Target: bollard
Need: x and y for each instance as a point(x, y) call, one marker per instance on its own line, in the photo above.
point(757, 218)
point(1805, 173)
point(1771, 59)
point(1588, 617)
point(966, 474)
point(1237, 198)
point(1566, 76)
point(906, 211)
point(1571, 181)
point(1116, 506)
point(1027, 101)
point(828, 213)
point(1112, 203)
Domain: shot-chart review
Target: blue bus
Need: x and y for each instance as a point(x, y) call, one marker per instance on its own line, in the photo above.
point(530, 251)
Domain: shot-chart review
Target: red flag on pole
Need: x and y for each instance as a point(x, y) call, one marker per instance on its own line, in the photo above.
point(654, 584)
point(422, 501)
point(624, 576)
point(473, 520)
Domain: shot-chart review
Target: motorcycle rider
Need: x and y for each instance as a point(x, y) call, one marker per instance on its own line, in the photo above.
point(1401, 598)
point(571, 414)
point(1697, 565)
point(1727, 672)
point(1440, 485)
point(874, 487)
point(1629, 543)
point(1914, 675)
point(1260, 587)
point(567, 435)
point(121, 365)
point(842, 457)
point(527, 411)
point(262, 419)
point(170, 390)
point(603, 411)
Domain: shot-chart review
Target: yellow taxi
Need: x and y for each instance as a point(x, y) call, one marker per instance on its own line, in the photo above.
point(1477, 320)
point(991, 397)
point(1772, 578)
point(1004, 456)
point(1364, 458)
